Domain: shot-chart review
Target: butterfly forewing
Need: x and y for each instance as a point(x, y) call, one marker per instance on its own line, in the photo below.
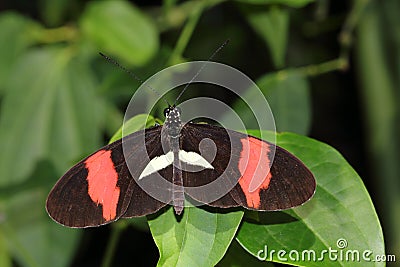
point(153, 191)
point(100, 188)
point(284, 181)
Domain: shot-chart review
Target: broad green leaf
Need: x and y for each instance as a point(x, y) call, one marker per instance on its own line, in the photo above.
point(340, 211)
point(200, 238)
point(50, 112)
point(120, 29)
point(236, 256)
point(289, 99)
point(16, 34)
point(291, 3)
point(134, 124)
point(272, 25)
point(32, 238)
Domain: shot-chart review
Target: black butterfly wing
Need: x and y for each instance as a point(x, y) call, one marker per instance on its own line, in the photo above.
point(215, 145)
point(152, 192)
point(100, 189)
point(265, 177)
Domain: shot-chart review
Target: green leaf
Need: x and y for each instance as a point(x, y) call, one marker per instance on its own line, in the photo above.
point(236, 256)
point(17, 33)
point(272, 25)
point(50, 112)
point(32, 238)
point(120, 29)
point(340, 209)
point(289, 99)
point(5, 257)
point(291, 3)
point(134, 124)
point(200, 238)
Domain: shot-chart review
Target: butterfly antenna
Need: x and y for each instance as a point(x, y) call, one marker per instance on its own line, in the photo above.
point(133, 75)
point(198, 72)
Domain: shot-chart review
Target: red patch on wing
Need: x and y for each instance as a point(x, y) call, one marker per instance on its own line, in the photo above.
point(102, 182)
point(254, 165)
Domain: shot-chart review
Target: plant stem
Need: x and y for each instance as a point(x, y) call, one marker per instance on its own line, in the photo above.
point(60, 34)
point(352, 20)
point(324, 67)
point(345, 41)
point(117, 229)
point(188, 29)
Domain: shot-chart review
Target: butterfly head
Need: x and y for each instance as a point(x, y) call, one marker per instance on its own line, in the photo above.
point(172, 114)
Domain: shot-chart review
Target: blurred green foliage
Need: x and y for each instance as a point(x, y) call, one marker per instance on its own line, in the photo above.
point(59, 99)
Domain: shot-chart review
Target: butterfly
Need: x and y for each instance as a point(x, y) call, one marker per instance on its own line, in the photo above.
point(206, 163)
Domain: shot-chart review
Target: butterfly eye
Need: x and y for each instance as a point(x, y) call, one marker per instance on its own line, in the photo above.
point(166, 112)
